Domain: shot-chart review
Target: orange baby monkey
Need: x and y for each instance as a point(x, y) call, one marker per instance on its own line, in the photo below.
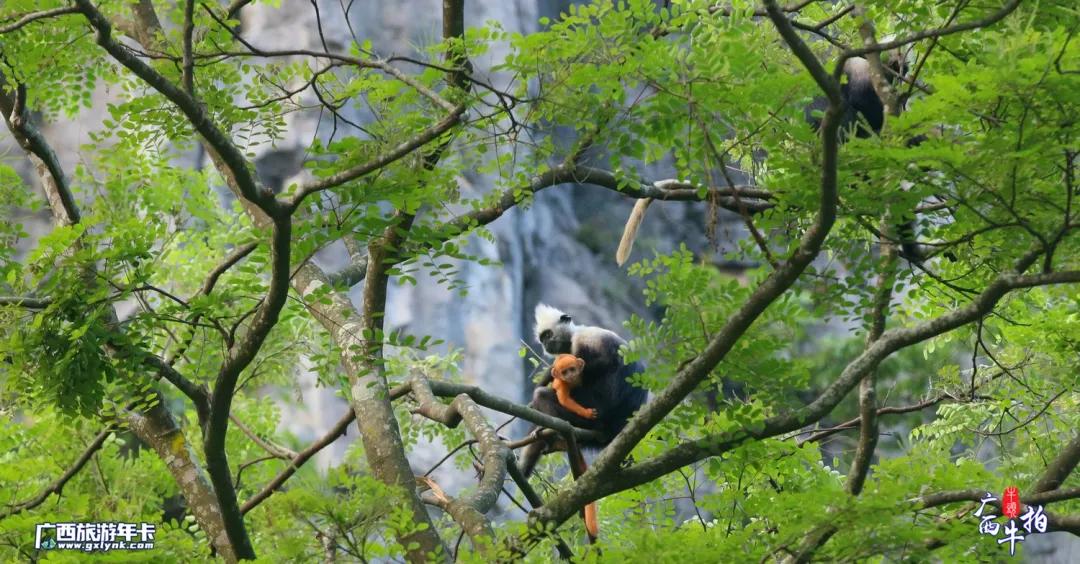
point(566, 375)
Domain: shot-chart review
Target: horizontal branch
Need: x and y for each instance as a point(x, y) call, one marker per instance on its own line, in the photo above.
point(35, 16)
point(891, 341)
point(491, 401)
point(931, 33)
point(1055, 522)
point(439, 388)
point(752, 199)
point(27, 302)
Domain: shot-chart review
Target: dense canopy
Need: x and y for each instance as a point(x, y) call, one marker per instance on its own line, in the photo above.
point(837, 400)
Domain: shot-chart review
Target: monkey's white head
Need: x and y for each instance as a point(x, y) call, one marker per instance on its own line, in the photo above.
point(554, 329)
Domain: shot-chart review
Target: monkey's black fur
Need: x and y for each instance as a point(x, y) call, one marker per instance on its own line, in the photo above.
point(864, 114)
point(605, 386)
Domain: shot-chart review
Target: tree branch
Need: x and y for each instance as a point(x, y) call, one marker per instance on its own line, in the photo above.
point(35, 16)
point(187, 78)
point(297, 461)
point(222, 148)
point(408, 146)
point(606, 469)
point(273, 449)
point(1059, 469)
point(233, 11)
point(930, 33)
point(891, 341)
point(828, 84)
point(1055, 522)
point(27, 302)
point(53, 182)
point(468, 511)
point(868, 424)
point(57, 485)
point(157, 428)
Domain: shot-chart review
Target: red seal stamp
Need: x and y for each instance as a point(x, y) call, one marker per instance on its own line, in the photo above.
point(1010, 502)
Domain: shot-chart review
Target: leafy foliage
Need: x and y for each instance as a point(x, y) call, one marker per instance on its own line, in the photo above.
point(710, 95)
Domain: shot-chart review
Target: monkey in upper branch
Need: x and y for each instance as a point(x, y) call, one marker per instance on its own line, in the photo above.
point(605, 381)
point(864, 114)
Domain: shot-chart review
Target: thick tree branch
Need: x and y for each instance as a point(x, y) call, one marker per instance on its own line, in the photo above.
point(890, 342)
point(606, 469)
point(450, 389)
point(1059, 469)
point(240, 356)
point(157, 428)
point(468, 511)
point(53, 182)
point(828, 84)
point(222, 147)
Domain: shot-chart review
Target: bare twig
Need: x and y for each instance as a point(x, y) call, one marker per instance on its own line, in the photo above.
point(57, 485)
point(35, 16)
point(297, 461)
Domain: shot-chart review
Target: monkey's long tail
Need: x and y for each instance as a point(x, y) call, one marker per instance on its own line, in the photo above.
point(592, 524)
point(631, 229)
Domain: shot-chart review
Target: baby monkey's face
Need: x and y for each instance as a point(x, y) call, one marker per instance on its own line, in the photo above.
point(571, 375)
